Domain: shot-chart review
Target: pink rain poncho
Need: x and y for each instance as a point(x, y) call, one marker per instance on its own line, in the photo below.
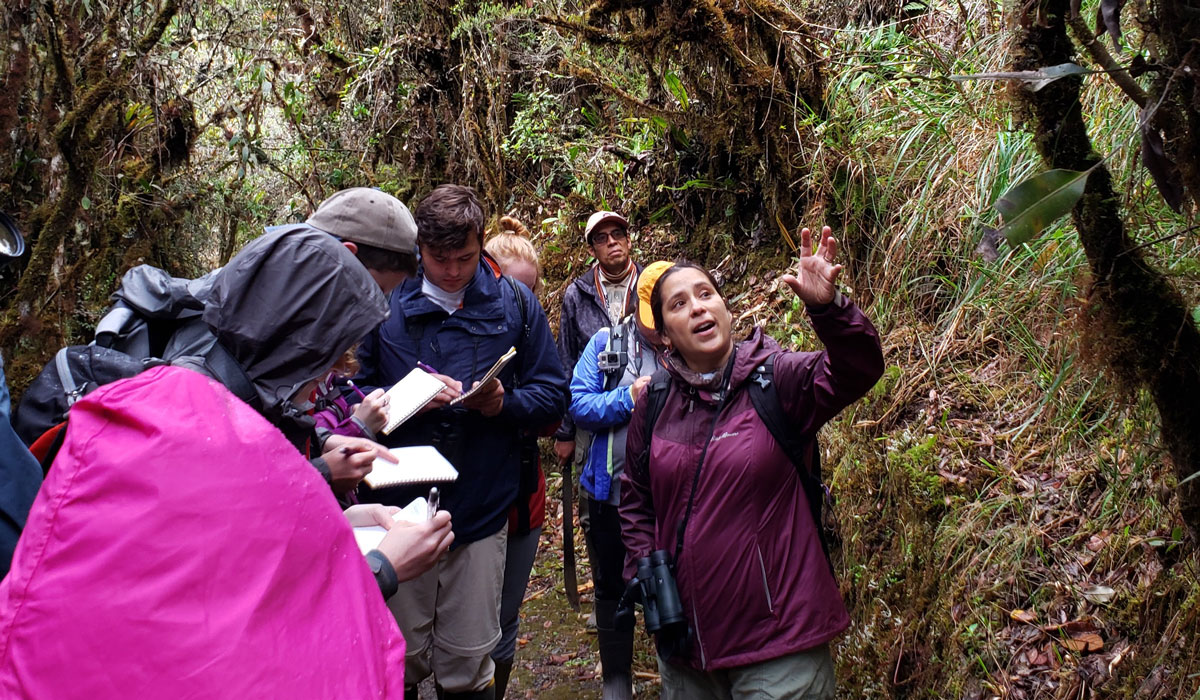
point(182, 548)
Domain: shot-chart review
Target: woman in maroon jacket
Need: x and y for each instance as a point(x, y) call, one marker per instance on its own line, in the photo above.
point(717, 492)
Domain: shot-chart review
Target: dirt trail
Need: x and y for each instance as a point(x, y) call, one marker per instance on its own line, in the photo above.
point(556, 656)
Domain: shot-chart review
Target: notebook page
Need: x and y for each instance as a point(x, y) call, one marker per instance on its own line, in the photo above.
point(420, 464)
point(409, 395)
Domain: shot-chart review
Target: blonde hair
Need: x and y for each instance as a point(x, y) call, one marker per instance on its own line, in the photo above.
point(512, 243)
point(347, 364)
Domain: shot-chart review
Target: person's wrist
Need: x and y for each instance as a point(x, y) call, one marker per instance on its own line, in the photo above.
point(384, 572)
point(819, 308)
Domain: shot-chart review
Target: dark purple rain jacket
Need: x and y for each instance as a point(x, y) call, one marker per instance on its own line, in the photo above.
point(752, 576)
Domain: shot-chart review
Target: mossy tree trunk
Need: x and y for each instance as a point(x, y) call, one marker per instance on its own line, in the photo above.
point(1151, 338)
point(89, 91)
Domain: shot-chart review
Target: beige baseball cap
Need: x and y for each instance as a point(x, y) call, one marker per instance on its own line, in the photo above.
point(598, 218)
point(370, 216)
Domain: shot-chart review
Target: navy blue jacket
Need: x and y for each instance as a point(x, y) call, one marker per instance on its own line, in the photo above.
point(464, 346)
point(20, 477)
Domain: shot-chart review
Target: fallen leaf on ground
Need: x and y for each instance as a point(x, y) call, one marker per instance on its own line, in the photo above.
point(1099, 594)
point(1023, 616)
point(1083, 641)
point(1097, 542)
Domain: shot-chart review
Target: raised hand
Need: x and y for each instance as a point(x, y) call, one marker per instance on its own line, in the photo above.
point(815, 281)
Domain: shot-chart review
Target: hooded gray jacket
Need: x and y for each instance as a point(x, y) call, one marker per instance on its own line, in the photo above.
point(285, 309)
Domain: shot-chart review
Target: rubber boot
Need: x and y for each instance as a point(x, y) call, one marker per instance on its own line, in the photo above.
point(616, 651)
point(503, 671)
point(488, 693)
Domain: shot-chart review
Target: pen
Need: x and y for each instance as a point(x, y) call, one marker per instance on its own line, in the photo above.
point(434, 503)
point(356, 389)
point(427, 368)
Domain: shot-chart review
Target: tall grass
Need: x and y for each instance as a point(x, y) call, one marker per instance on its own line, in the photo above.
point(998, 471)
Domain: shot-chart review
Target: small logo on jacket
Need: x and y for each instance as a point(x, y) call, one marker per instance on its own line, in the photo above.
point(722, 436)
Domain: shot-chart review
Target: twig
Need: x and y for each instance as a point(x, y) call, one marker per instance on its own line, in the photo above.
point(1156, 241)
point(1119, 74)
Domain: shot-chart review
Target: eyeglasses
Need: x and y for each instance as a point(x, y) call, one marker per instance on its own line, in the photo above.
point(604, 236)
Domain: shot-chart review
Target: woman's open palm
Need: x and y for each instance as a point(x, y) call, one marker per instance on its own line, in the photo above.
point(815, 281)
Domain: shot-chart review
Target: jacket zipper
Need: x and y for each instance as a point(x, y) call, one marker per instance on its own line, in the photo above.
point(766, 588)
point(682, 535)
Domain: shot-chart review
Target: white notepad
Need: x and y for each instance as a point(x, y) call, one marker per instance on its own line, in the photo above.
point(420, 464)
point(368, 537)
point(409, 395)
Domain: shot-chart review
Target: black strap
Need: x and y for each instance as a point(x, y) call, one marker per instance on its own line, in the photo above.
point(521, 308)
point(655, 396)
point(230, 373)
point(800, 448)
point(618, 340)
point(712, 431)
point(527, 446)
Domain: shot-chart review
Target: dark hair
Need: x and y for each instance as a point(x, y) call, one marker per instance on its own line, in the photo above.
point(656, 300)
point(448, 217)
point(384, 260)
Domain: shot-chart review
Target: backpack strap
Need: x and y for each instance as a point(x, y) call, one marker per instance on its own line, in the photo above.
point(528, 450)
point(71, 388)
point(520, 308)
point(800, 448)
point(230, 373)
point(655, 396)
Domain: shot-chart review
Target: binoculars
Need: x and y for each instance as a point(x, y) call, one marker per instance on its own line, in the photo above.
point(661, 606)
point(655, 588)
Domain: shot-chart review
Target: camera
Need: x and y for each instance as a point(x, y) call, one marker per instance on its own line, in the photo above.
point(611, 360)
point(447, 438)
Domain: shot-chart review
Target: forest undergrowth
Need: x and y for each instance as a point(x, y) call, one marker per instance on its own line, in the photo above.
point(1009, 519)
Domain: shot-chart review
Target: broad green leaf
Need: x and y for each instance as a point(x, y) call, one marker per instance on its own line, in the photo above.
point(675, 85)
point(1032, 205)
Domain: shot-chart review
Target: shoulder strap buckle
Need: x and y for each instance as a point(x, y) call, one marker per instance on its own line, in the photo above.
point(762, 376)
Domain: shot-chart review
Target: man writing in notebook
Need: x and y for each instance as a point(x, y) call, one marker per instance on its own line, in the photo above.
point(459, 316)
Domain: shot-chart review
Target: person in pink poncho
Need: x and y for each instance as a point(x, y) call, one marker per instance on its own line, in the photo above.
point(182, 547)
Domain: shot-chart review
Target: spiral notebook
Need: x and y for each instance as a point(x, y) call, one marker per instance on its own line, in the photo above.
point(420, 464)
point(409, 395)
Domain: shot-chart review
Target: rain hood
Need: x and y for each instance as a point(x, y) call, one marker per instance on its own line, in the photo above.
point(287, 307)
